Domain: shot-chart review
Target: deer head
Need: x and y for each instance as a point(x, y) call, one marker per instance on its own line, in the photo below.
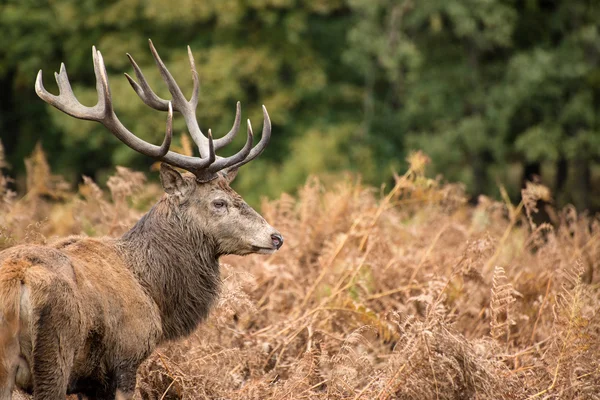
point(203, 195)
point(219, 212)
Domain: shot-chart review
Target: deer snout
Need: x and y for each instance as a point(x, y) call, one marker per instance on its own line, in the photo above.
point(277, 240)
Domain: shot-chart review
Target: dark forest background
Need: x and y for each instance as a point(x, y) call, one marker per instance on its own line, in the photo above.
point(494, 91)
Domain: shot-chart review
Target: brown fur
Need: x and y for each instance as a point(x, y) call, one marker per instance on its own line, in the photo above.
point(9, 325)
point(80, 315)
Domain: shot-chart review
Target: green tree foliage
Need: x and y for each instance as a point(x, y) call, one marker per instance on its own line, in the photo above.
point(488, 88)
point(484, 85)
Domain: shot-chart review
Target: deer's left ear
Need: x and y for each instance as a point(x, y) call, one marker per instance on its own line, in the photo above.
point(230, 174)
point(173, 182)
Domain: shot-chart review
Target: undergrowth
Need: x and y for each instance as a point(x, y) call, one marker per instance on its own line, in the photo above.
point(400, 293)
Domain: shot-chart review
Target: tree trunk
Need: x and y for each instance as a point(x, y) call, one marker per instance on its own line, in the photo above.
point(531, 171)
point(8, 113)
point(480, 163)
point(560, 178)
point(583, 184)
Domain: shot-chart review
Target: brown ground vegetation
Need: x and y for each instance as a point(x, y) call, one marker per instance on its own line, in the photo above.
point(406, 293)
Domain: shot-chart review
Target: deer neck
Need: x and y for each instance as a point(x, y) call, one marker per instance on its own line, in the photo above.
point(177, 265)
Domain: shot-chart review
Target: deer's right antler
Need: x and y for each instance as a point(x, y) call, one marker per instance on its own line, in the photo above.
point(204, 167)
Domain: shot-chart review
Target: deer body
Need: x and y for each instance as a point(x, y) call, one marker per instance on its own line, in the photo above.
point(83, 319)
point(81, 314)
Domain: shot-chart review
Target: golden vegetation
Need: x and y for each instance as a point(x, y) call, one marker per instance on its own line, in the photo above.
point(407, 293)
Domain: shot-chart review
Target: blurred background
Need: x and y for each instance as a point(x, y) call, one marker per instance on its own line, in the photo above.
point(496, 92)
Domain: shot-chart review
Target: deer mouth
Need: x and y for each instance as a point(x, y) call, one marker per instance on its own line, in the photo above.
point(263, 250)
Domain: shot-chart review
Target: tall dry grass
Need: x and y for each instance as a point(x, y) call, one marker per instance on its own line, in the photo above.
point(406, 293)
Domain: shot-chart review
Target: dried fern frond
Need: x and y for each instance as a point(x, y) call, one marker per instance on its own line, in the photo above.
point(351, 366)
point(570, 359)
point(501, 303)
point(40, 180)
point(533, 193)
point(125, 183)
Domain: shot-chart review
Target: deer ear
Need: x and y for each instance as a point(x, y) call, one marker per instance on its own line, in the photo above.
point(231, 174)
point(172, 181)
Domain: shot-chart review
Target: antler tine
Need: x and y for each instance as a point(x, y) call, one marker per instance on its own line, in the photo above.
point(143, 89)
point(228, 138)
point(262, 144)
point(102, 111)
point(212, 156)
point(110, 120)
point(195, 78)
point(240, 156)
point(151, 99)
point(66, 100)
point(178, 98)
point(104, 96)
point(166, 144)
point(187, 109)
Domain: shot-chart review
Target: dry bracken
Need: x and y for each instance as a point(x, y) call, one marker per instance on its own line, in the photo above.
point(402, 293)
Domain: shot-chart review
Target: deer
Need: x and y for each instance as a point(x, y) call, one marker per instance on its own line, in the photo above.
point(80, 314)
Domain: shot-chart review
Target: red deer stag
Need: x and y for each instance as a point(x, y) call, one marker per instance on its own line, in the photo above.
point(80, 315)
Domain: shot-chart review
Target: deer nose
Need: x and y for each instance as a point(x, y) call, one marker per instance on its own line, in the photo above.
point(277, 240)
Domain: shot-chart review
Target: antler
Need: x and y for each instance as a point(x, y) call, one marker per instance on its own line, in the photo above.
point(204, 167)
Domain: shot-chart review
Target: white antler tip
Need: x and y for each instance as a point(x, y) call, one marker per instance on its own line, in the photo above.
point(38, 83)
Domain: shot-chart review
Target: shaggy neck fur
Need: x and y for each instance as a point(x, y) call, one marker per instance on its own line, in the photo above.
point(178, 266)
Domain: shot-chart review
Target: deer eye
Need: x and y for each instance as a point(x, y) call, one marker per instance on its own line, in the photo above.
point(219, 203)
